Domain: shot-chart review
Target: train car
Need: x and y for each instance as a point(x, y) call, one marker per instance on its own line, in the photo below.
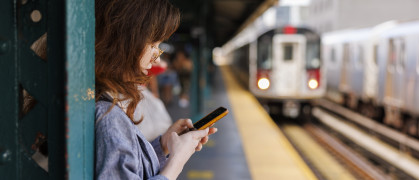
point(344, 57)
point(284, 68)
point(351, 64)
point(398, 76)
point(240, 60)
point(376, 72)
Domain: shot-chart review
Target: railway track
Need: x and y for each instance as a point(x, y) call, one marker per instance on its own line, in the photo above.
point(404, 142)
point(344, 157)
point(358, 165)
point(357, 147)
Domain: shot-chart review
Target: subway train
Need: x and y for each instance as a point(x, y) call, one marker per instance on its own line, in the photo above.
point(376, 72)
point(282, 68)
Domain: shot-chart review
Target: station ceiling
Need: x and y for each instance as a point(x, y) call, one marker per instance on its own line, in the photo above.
point(221, 19)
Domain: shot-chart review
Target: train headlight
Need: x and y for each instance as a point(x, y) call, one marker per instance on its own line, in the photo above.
point(313, 84)
point(263, 83)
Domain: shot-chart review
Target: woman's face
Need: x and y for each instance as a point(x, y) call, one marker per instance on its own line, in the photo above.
point(150, 57)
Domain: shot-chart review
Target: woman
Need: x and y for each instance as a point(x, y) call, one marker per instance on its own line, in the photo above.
point(128, 33)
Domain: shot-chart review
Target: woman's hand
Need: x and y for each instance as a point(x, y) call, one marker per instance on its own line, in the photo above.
point(181, 149)
point(204, 140)
point(181, 127)
point(182, 143)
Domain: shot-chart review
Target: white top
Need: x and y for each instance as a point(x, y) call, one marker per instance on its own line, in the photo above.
point(156, 118)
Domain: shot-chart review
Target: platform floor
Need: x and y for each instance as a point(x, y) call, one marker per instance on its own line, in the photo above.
point(248, 144)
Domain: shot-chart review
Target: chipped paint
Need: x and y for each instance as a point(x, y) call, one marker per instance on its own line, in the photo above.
point(90, 94)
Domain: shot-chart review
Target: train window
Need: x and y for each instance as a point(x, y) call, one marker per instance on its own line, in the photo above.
point(264, 52)
point(417, 63)
point(346, 55)
point(333, 55)
point(288, 51)
point(401, 56)
point(375, 55)
point(391, 59)
point(313, 54)
point(360, 57)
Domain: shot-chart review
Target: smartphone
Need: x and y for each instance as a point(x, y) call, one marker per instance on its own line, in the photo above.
point(211, 118)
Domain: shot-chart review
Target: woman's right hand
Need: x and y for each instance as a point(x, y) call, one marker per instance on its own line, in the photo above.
point(182, 147)
point(180, 126)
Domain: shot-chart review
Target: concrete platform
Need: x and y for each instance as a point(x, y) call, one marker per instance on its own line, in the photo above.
point(248, 144)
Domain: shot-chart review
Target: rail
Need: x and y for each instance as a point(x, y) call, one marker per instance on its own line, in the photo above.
point(400, 160)
point(402, 139)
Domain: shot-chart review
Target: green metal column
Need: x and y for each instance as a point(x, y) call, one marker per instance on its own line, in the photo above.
point(206, 51)
point(8, 89)
point(62, 87)
point(199, 75)
point(72, 35)
point(80, 87)
point(56, 90)
point(195, 99)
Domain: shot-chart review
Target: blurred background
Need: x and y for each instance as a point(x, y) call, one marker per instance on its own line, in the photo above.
point(309, 63)
point(222, 25)
point(316, 89)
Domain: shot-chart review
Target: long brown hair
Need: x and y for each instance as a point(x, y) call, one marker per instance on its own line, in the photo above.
point(124, 28)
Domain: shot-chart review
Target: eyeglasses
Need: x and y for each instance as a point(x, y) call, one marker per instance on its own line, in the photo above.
point(155, 57)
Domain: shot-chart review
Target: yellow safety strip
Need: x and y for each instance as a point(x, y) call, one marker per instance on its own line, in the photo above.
point(268, 153)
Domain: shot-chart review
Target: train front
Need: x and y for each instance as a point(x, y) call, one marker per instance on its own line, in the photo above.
point(287, 69)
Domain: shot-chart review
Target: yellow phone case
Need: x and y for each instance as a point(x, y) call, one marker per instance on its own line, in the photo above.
point(211, 118)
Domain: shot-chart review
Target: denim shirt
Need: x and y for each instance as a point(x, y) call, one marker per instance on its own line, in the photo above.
point(122, 152)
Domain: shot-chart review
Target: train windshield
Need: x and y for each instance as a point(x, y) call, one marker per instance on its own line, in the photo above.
point(288, 51)
point(313, 54)
point(264, 53)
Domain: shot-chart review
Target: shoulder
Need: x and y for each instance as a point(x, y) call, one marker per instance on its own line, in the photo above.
point(113, 122)
point(102, 107)
point(106, 111)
